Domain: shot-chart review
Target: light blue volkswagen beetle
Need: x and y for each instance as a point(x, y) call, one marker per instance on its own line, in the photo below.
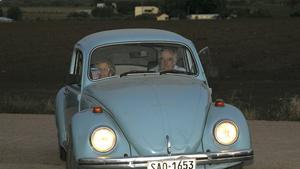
point(139, 98)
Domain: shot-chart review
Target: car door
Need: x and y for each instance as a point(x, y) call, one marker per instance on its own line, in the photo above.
point(208, 64)
point(73, 89)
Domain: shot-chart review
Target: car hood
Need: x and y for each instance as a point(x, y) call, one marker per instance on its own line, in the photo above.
point(151, 108)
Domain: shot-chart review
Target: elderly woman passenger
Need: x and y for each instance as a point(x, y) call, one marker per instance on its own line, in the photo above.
point(105, 68)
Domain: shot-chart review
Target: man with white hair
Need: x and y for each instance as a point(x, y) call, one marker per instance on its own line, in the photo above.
point(167, 61)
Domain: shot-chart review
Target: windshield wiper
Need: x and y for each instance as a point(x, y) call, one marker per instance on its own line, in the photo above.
point(176, 72)
point(135, 72)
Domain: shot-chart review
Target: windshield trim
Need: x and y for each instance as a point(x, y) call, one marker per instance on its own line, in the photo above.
point(139, 42)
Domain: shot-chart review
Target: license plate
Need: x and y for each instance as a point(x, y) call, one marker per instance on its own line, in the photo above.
point(174, 164)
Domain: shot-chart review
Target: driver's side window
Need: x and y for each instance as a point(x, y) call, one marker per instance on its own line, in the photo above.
point(78, 63)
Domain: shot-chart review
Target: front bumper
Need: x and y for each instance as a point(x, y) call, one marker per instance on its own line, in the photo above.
point(139, 162)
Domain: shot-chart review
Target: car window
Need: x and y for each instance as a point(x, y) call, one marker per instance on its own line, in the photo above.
point(78, 67)
point(148, 57)
point(190, 60)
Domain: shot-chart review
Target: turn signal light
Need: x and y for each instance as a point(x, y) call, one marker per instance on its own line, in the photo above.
point(97, 109)
point(219, 103)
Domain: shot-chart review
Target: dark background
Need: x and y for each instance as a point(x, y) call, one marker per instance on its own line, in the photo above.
point(254, 63)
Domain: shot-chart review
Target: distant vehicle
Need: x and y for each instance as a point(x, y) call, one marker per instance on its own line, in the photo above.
point(139, 98)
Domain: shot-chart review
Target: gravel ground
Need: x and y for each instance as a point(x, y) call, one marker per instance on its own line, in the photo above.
point(30, 142)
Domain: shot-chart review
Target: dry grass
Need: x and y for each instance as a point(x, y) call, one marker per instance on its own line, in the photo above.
point(279, 109)
point(287, 108)
point(294, 108)
point(284, 109)
point(26, 103)
point(247, 107)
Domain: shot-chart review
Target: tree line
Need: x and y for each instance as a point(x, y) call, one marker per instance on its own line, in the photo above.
point(12, 12)
point(173, 7)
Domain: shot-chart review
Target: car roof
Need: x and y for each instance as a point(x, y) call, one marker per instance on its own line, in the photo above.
point(130, 35)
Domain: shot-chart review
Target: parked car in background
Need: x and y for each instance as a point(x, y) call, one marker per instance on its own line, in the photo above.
point(139, 98)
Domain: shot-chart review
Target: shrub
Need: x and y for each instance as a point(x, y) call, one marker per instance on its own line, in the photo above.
point(27, 102)
point(241, 12)
point(1, 12)
point(14, 13)
point(79, 15)
point(253, 12)
point(295, 14)
point(284, 109)
point(294, 109)
point(127, 7)
point(246, 105)
point(146, 17)
point(260, 12)
point(103, 12)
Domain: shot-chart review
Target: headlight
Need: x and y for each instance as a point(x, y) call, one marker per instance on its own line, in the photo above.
point(226, 132)
point(103, 139)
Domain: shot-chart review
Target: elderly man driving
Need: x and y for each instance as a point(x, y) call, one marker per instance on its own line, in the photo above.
point(167, 61)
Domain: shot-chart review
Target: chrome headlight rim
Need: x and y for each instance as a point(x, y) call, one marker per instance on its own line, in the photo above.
point(222, 122)
point(106, 128)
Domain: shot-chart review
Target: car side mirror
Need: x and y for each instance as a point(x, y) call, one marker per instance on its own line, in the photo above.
point(204, 52)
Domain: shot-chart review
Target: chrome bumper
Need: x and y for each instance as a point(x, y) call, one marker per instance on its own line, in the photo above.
point(138, 162)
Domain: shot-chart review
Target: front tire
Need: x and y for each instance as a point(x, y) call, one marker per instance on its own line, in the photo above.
point(71, 162)
point(62, 153)
point(239, 166)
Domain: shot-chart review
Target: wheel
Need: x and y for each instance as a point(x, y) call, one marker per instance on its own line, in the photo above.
point(239, 166)
point(62, 153)
point(71, 162)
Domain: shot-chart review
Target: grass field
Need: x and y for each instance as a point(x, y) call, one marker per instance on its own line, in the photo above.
point(50, 13)
point(257, 61)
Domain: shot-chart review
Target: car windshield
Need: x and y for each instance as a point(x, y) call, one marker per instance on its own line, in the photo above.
point(122, 60)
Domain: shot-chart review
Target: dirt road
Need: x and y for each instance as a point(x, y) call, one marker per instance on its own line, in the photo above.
point(30, 142)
